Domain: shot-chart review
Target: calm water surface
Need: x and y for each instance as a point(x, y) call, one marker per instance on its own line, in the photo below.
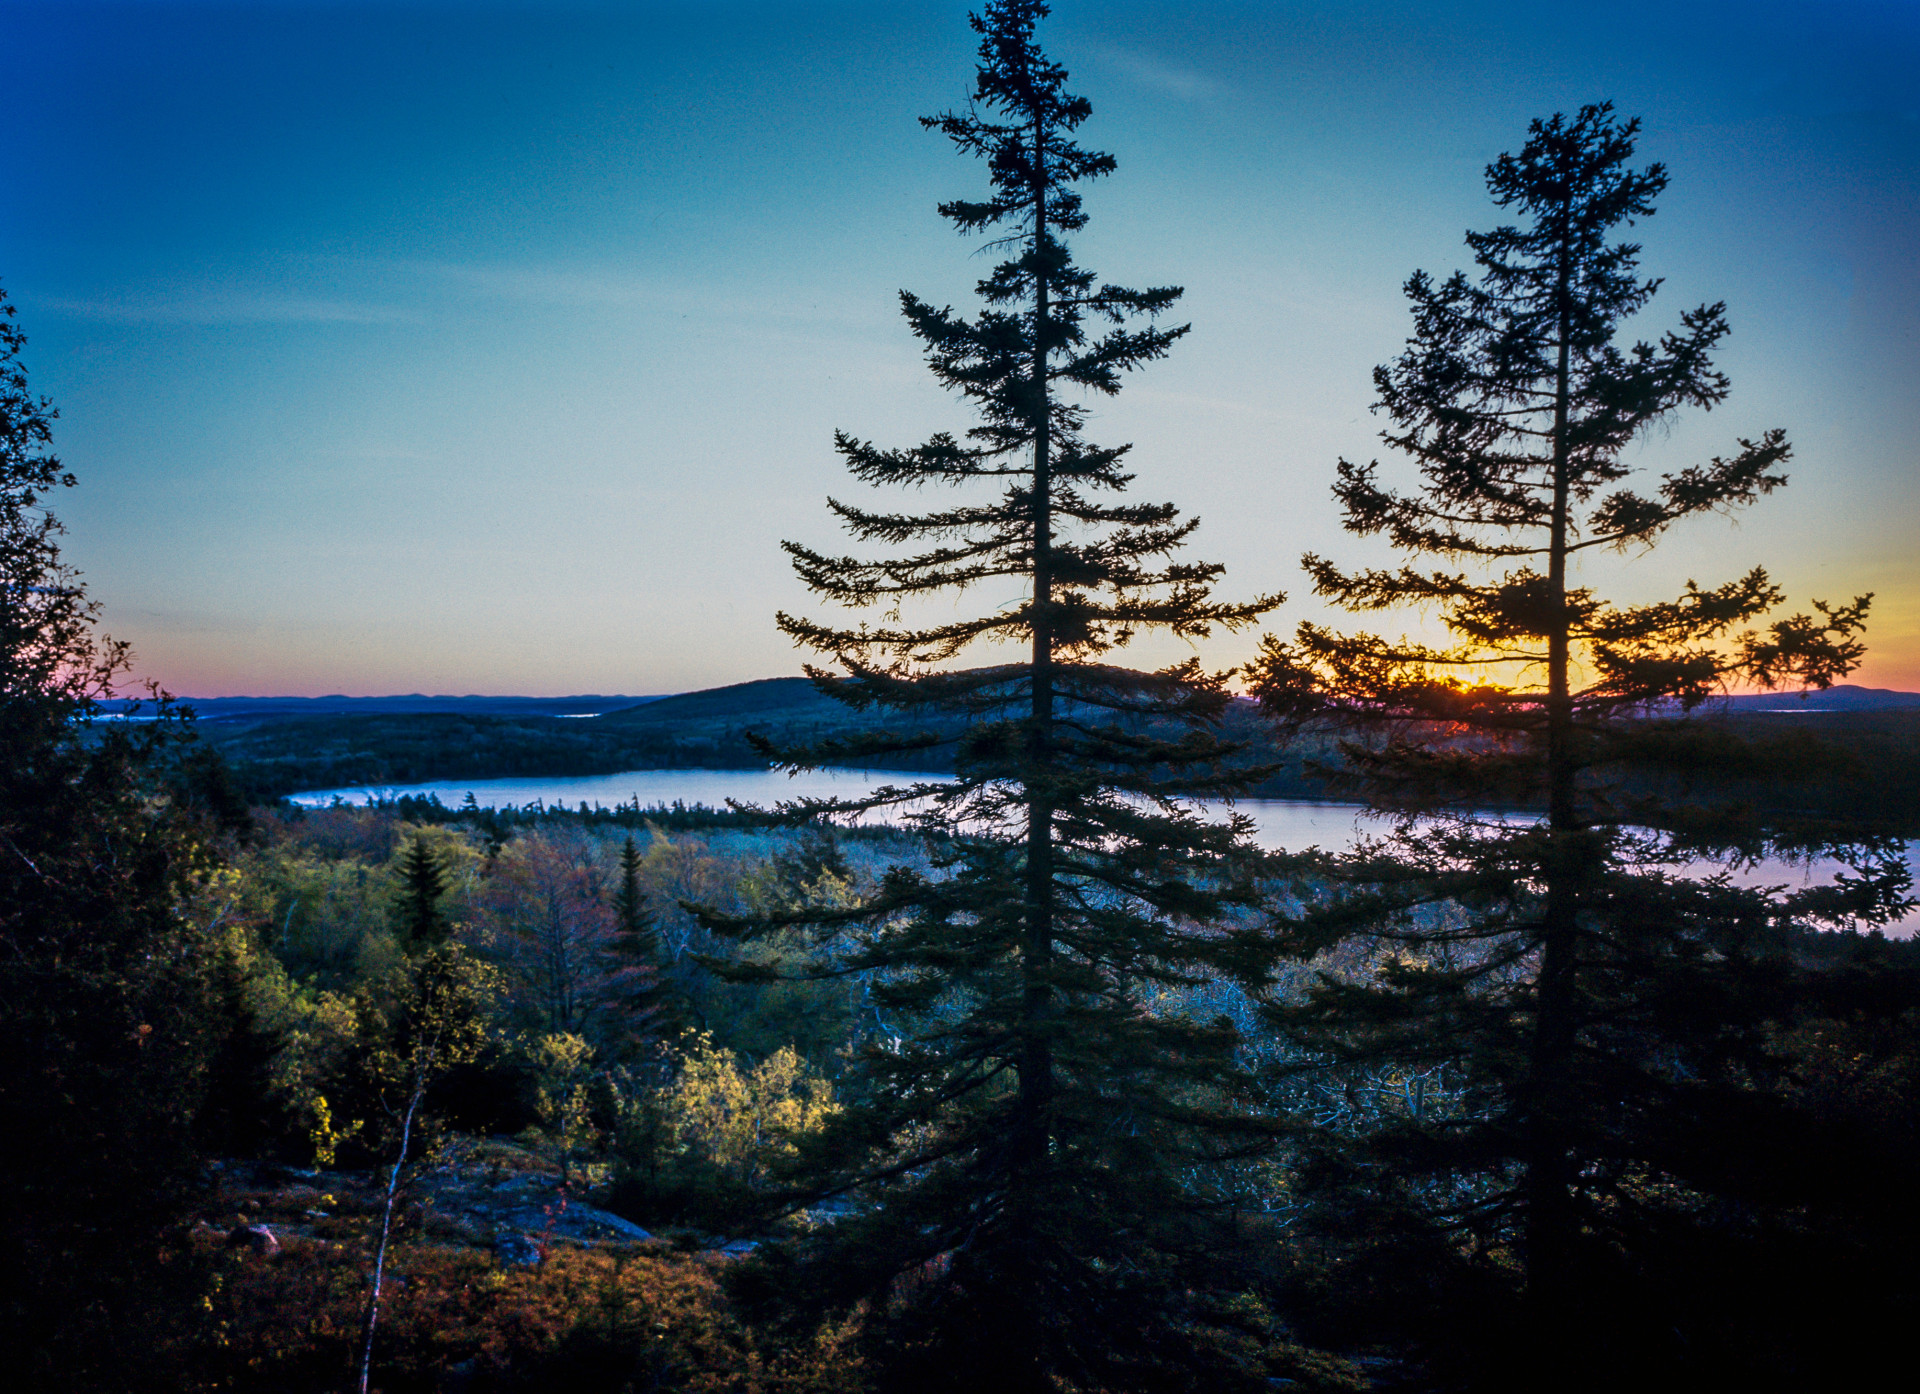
point(1278, 823)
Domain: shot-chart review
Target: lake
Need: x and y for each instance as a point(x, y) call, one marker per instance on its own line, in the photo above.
point(1278, 823)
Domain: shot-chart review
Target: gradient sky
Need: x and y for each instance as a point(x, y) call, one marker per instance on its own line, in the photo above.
point(462, 348)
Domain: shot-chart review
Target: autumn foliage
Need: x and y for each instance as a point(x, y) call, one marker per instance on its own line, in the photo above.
point(583, 1320)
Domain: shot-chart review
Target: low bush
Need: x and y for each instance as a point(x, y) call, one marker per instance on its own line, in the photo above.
point(581, 1320)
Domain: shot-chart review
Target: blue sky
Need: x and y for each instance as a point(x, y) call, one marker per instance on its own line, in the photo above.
point(495, 348)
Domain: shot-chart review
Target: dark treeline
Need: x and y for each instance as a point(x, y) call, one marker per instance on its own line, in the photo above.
point(271, 759)
point(1851, 763)
point(1058, 1085)
point(1847, 767)
point(499, 824)
point(277, 756)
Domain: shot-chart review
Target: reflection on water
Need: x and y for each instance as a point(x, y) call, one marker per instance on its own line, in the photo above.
point(1278, 823)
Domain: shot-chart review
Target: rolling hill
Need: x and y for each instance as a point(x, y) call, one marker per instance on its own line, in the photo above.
point(1854, 751)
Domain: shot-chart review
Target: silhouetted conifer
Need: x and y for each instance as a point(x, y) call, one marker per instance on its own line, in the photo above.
point(1567, 1043)
point(1041, 1156)
point(420, 914)
point(110, 1008)
point(637, 931)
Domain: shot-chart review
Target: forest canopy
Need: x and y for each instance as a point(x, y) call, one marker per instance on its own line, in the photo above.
point(1028, 1071)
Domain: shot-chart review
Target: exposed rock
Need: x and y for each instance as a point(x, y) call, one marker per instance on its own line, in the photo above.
point(257, 1238)
point(606, 1220)
point(481, 1192)
point(516, 1250)
point(468, 1193)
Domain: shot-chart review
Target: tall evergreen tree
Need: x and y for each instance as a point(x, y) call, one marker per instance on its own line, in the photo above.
point(1603, 1022)
point(1036, 1152)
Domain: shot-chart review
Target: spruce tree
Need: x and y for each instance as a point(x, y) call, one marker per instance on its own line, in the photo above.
point(638, 931)
point(1597, 1024)
point(419, 915)
point(639, 991)
point(1039, 1157)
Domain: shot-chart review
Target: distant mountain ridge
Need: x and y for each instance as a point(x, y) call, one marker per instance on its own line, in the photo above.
point(413, 703)
point(788, 698)
point(796, 699)
point(280, 746)
point(287, 745)
point(1842, 697)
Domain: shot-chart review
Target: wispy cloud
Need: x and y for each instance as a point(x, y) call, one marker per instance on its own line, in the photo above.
point(334, 290)
point(554, 285)
point(601, 288)
point(219, 307)
point(1187, 84)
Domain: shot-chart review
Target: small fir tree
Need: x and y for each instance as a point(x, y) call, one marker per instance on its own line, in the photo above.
point(1602, 1021)
point(1039, 1154)
point(420, 915)
point(639, 992)
point(637, 930)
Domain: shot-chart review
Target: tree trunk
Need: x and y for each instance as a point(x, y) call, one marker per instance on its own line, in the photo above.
point(1550, 1217)
point(1036, 1055)
point(386, 1231)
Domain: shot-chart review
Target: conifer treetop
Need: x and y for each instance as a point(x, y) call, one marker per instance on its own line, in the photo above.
point(1048, 334)
point(1516, 400)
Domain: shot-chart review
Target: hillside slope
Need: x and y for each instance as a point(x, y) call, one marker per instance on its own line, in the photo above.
point(1838, 763)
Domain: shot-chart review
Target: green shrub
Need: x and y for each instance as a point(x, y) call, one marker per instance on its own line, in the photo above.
point(703, 1148)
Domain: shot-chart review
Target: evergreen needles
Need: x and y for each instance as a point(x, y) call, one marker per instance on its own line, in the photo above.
point(1040, 1156)
point(1603, 1027)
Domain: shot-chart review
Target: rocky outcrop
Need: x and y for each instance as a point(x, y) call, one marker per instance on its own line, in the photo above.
point(256, 1239)
point(487, 1193)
